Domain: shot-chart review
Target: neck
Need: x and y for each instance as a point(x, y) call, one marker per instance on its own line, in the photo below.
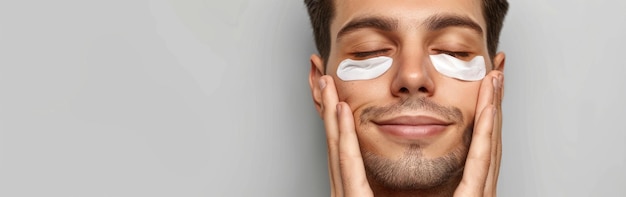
point(445, 189)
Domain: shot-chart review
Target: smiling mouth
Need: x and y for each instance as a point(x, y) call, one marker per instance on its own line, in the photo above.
point(412, 127)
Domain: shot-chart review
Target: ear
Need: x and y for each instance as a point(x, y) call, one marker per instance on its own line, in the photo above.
point(498, 61)
point(316, 72)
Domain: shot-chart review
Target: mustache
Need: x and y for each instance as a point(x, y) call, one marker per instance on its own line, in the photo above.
point(450, 113)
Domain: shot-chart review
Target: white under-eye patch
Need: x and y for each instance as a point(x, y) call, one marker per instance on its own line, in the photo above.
point(447, 65)
point(351, 70)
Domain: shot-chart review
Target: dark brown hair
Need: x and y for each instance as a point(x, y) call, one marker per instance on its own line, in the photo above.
point(321, 13)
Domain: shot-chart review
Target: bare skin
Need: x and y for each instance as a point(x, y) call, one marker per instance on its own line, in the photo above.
point(344, 105)
point(482, 166)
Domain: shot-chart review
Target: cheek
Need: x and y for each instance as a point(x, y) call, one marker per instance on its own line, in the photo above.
point(463, 95)
point(360, 93)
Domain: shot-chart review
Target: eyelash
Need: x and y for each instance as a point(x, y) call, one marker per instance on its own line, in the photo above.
point(456, 54)
point(369, 53)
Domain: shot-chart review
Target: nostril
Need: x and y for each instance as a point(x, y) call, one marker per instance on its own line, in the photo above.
point(404, 90)
point(422, 89)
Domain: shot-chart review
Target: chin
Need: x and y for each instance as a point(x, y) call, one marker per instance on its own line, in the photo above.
point(414, 170)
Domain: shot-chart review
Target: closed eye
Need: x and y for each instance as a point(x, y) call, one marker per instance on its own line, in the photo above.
point(364, 54)
point(457, 54)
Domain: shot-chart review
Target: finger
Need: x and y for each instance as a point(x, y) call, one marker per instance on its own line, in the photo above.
point(352, 169)
point(479, 156)
point(498, 131)
point(485, 94)
point(492, 176)
point(499, 126)
point(329, 98)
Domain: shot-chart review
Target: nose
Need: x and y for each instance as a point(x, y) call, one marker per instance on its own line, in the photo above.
point(412, 77)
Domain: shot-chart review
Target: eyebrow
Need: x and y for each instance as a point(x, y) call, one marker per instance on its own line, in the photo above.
point(442, 21)
point(376, 22)
point(433, 23)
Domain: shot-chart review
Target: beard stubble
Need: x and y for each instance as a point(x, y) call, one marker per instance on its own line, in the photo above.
point(412, 171)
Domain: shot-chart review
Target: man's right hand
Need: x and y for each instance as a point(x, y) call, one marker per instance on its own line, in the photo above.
point(345, 163)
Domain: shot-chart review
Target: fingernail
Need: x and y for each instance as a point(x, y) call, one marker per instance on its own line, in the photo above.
point(322, 84)
point(338, 108)
point(495, 82)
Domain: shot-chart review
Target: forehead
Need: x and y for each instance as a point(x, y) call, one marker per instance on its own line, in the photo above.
point(408, 13)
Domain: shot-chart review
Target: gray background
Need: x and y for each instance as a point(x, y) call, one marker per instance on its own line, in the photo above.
point(206, 98)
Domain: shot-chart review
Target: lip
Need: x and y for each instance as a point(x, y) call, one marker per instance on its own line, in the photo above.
point(412, 127)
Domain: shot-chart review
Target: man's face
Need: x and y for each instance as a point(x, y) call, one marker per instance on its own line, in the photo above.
point(413, 123)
